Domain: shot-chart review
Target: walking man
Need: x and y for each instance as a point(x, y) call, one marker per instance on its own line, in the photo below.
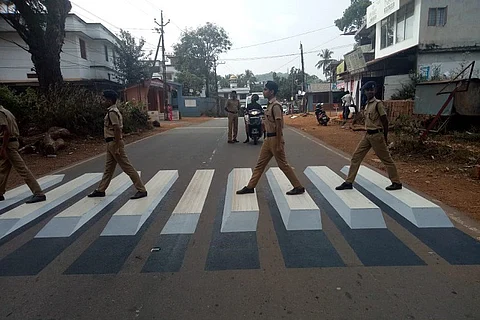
point(112, 128)
point(274, 145)
point(376, 123)
point(347, 102)
point(9, 157)
point(232, 106)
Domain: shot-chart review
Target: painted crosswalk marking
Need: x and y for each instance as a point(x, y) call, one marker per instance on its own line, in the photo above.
point(130, 218)
point(20, 216)
point(240, 212)
point(299, 212)
point(354, 208)
point(416, 209)
point(185, 216)
point(73, 218)
point(21, 193)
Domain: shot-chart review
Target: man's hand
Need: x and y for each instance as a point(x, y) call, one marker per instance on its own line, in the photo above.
point(386, 139)
point(116, 148)
point(279, 146)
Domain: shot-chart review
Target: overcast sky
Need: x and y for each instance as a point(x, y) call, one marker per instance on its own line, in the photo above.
point(247, 22)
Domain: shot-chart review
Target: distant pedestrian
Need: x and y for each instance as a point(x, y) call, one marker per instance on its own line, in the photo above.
point(376, 123)
point(232, 107)
point(347, 102)
point(10, 158)
point(112, 127)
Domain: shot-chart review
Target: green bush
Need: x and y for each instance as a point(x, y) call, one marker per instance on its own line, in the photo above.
point(134, 116)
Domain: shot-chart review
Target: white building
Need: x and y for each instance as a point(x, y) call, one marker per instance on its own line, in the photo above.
point(87, 53)
point(242, 92)
point(434, 38)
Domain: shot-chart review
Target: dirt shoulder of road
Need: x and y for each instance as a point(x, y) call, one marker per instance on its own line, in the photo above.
point(443, 178)
point(80, 149)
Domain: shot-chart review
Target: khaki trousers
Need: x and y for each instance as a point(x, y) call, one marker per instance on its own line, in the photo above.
point(377, 142)
point(269, 150)
point(15, 160)
point(124, 163)
point(232, 126)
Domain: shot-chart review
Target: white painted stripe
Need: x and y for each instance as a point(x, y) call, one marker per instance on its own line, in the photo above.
point(21, 193)
point(73, 218)
point(185, 217)
point(416, 209)
point(354, 208)
point(21, 215)
point(197, 128)
point(240, 213)
point(299, 212)
point(131, 217)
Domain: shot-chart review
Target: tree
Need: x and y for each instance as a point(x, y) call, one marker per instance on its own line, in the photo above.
point(190, 82)
point(198, 50)
point(131, 61)
point(324, 63)
point(41, 25)
point(353, 16)
point(250, 78)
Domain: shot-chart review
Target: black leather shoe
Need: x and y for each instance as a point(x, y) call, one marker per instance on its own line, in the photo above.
point(96, 194)
point(236, 141)
point(230, 141)
point(246, 141)
point(2, 198)
point(295, 191)
point(345, 186)
point(246, 190)
point(394, 186)
point(139, 195)
point(36, 198)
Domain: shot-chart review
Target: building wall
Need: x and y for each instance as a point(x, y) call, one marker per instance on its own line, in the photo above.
point(461, 28)
point(447, 63)
point(394, 83)
point(405, 44)
point(196, 106)
point(15, 62)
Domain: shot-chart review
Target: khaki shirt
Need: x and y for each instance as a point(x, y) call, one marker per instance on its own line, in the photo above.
point(373, 111)
point(8, 119)
point(233, 105)
point(112, 117)
point(274, 112)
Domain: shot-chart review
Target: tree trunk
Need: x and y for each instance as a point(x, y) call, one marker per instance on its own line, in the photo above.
point(47, 67)
point(207, 85)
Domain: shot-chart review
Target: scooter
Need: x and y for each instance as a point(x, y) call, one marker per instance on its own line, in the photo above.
point(321, 115)
point(254, 122)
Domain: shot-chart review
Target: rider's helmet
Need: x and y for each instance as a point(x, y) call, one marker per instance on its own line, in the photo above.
point(255, 98)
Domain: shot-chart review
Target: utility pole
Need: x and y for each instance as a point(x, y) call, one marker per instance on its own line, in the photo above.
point(215, 63)
point(303, 77)
point(164, 68)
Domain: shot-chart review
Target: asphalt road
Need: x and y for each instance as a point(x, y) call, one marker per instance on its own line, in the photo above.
point(402, 272)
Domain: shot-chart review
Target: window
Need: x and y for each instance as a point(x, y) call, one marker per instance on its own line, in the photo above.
point(387, 30)
point(437, 17)
point(106, 53)
point(83, 49)
point(405, 22)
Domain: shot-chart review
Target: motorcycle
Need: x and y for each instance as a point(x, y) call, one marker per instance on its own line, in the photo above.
point(322, 117)
point(254, 121)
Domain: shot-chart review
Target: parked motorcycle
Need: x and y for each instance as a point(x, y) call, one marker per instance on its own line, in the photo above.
point(321, 115)
point(254, 122)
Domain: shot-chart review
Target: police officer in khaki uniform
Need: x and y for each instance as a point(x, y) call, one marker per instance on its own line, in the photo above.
point(9, 157)
point(274, 145)
point(113, 125)
point(376, 123)
point(232, 106)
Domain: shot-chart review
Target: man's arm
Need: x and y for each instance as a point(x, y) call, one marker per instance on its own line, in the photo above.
point(6, 137)
point(383, 118)
point(226, 106)
point(278, 124)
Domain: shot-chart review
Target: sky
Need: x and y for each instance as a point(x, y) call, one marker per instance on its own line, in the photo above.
point(247, 23)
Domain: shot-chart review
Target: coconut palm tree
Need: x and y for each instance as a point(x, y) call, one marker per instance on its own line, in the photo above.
point(324, 63)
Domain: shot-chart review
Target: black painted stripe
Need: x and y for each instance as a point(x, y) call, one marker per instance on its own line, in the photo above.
point(374, 247)
point(168, 254)
point(302, 248)
point(451, 244)
point(231, 250)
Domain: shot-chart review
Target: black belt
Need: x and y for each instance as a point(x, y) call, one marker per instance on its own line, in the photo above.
point(272, 134)
point(109, 139)
point(9, 140)
point(374, 131)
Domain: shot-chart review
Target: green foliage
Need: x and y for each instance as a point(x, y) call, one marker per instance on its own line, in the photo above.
point(190, 81)
point(130, 61)
point(407, 91)
point(74, 108)
point(198, 50)
point(353, 16)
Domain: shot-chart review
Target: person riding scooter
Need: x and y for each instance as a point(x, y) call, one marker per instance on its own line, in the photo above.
point(321, 115)
point(253, 117)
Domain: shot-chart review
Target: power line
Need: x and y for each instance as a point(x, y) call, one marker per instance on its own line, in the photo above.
point(281, 39)
point(279, 68)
